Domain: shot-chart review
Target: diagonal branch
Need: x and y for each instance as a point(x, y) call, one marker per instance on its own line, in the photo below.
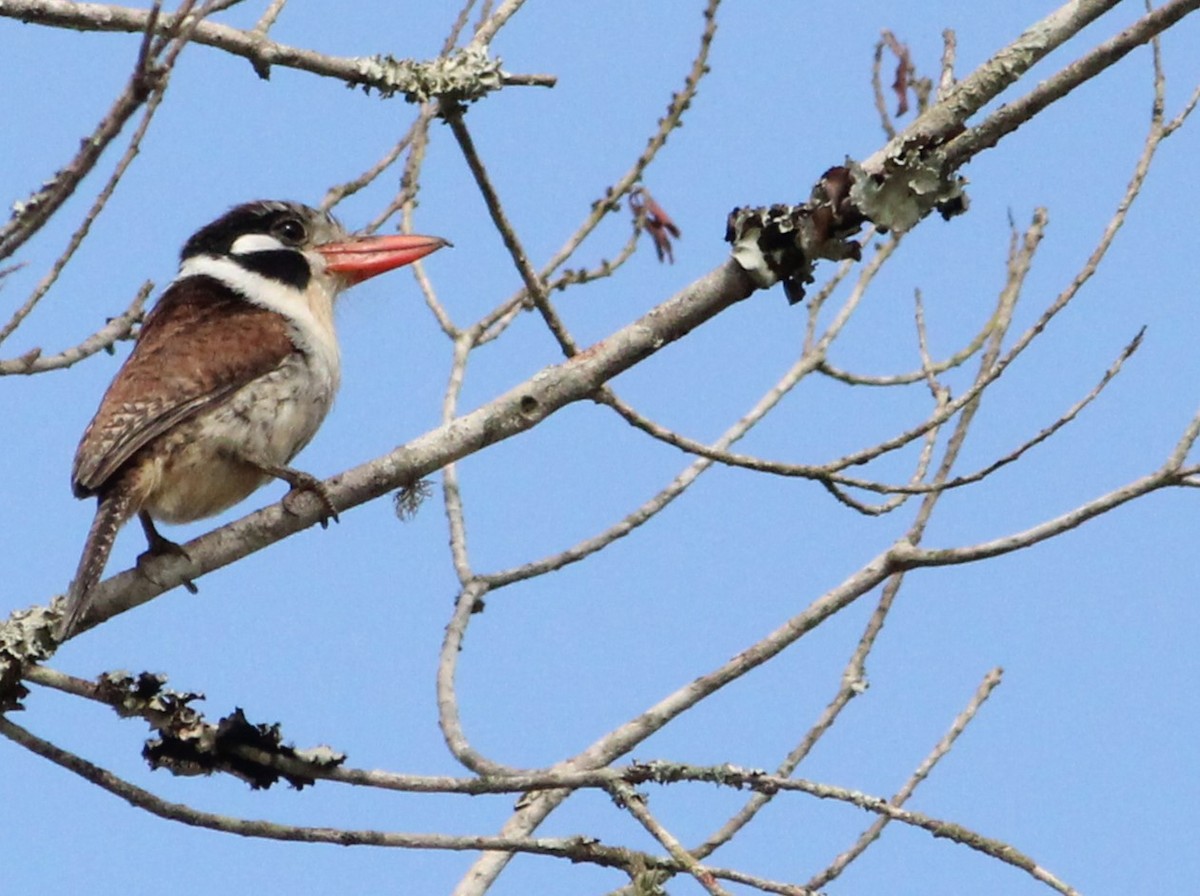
point(514, 412)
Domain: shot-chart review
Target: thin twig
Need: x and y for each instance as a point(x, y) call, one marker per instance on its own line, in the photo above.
point(990, 682)
point(118, 328)
point(678, 106)
point(535, 286)
point(32, 213)
point(635, 804)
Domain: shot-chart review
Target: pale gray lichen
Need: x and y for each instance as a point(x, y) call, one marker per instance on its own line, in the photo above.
point(768, 242)
point(910, 187)
point(27, 634)
point(321, 756)
point(25, 637)
point(751, 258)
point(465, 75)
point(22, 206)
point(783, 242)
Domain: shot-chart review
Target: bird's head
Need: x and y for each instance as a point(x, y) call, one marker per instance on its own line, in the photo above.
point(294, 245)
point(293, 260)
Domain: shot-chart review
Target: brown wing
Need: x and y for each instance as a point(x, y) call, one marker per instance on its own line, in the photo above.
point(199, 344)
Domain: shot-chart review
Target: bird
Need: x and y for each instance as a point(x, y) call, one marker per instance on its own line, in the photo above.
point(232, 373)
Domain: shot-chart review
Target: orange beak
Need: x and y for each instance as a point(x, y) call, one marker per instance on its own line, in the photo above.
point(359, 258)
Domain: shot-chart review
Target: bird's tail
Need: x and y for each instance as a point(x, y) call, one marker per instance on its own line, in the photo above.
point(112, 512)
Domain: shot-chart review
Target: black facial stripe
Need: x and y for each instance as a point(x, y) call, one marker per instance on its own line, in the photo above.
point(284, 265)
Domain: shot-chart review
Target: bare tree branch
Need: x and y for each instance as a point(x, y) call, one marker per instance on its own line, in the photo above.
point(380, 73)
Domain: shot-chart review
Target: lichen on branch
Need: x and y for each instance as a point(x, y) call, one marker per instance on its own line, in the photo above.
point(783, 242)
point(463, 76)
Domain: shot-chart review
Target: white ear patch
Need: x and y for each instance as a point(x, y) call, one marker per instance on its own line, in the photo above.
point(255, 242)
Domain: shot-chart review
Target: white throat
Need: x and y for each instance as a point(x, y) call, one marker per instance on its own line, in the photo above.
point(310, 312)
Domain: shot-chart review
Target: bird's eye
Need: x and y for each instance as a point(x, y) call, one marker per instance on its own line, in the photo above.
point(291, 230)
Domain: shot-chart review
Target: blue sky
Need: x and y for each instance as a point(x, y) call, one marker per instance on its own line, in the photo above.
point(1084, 758)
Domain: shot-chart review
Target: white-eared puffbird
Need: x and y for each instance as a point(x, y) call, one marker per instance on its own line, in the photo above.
point(231, 375)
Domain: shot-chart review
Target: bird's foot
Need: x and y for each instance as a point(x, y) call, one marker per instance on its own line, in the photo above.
point(305, 482)
point(300, 482)
point(160, 546)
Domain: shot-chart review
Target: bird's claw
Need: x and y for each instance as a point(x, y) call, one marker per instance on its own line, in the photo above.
point(164, 547)
point(306, 482)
